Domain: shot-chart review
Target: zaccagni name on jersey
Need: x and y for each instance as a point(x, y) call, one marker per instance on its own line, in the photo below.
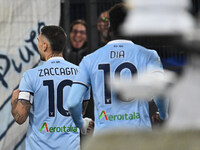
point(57, 71)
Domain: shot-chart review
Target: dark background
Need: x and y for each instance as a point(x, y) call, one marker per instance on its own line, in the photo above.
point(172, 55)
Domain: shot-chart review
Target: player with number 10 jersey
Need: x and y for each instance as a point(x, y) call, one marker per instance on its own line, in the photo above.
point(51, 126)
point(124, 58)
point(118, 57)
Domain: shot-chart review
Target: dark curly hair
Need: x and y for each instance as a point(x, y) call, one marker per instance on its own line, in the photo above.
point(117, 15)
point(56, 36)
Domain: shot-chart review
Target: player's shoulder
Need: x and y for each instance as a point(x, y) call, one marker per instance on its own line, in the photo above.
point(145, 50)
point(34, 70)
point(98, 52)
point(70, 64)
point(92, 56)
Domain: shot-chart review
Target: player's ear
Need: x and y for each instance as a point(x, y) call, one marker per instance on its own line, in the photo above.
point(45, 46)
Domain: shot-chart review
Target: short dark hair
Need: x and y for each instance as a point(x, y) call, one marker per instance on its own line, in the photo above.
point(78, 21)
point(56, 36)
point(117, 15)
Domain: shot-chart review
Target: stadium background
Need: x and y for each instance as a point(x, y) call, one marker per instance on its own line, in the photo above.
point(172, 55)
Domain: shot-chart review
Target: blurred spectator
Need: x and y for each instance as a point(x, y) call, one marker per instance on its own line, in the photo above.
point(78, 42)
point(103, 26)
point(76, 50)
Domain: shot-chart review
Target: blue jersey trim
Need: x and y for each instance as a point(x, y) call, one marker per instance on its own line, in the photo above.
point(76, 82)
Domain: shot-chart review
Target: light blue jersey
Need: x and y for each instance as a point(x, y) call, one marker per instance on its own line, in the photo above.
point(50, 124)
point(124, 58)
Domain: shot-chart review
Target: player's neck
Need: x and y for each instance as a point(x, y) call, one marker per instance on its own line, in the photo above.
point(117, 36)
point(53, 55)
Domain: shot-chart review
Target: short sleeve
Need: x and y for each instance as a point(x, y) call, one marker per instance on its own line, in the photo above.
point(25, 86)
point(154, 64)
point(83, 76)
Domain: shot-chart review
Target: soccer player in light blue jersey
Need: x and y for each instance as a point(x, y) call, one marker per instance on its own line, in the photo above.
point(118, 57)
point(42, 96)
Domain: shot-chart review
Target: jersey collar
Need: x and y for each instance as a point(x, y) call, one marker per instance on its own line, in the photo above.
point(52, 58)
point(120, 41)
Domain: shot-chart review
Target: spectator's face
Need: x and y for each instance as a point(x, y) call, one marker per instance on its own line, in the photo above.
point(103, 24)
point(78, 36)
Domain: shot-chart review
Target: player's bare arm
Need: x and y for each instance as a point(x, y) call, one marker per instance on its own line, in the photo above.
point(20, 108)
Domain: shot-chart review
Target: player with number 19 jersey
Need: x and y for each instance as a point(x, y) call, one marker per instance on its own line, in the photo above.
point(51, 126)
point(124, 58)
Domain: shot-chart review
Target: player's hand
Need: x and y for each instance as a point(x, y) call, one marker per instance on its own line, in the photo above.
point(156, 118)
point(15, 95)
point(87, 126)
point(90, 127)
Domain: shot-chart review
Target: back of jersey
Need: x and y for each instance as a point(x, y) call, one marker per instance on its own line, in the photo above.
point(126, 59)
point(50, 125)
